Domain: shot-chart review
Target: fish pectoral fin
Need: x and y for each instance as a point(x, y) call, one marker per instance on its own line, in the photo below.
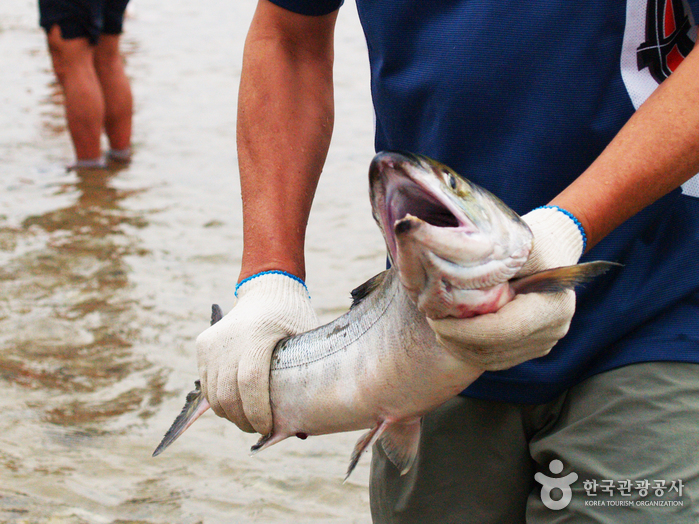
point(364, 443)
point(367, 288)
point(400, 441)
point(561, 278)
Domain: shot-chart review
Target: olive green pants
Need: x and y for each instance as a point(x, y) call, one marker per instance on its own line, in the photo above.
point(621, 447)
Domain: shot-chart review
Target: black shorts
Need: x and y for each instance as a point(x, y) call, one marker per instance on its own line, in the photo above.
point(83, 18)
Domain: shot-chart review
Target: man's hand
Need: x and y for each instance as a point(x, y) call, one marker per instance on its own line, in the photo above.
point(234, 355)
point(531, 324)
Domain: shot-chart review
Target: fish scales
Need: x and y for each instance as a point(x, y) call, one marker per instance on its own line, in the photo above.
point(325, 386)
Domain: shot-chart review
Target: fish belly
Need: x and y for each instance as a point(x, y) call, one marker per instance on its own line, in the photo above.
point(385, 364)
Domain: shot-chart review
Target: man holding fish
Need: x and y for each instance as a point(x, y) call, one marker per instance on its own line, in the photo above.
point(588, 109)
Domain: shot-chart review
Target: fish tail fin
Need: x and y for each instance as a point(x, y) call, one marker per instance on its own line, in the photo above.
point(561, 278)
point(399, 441)
point(195, 405)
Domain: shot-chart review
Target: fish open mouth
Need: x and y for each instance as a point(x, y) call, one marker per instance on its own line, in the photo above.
point(406, 197)
point(397, 193)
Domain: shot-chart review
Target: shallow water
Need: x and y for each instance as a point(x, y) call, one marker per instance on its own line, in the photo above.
point(106, 279)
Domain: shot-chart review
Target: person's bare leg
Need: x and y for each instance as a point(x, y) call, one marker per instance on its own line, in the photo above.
point(84, 104)
point(116, 89)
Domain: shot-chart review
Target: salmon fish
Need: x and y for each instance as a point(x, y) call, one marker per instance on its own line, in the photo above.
point(455, 250)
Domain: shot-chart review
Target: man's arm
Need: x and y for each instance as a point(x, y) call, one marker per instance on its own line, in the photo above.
point(654, 153)
point(285, 117)
point(285, 120)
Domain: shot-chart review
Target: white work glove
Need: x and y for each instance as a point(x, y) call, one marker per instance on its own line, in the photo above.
point(234, 355)
point(531, 324)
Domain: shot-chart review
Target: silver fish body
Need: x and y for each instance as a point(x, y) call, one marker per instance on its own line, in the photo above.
point(455, 249)
point(378, 366)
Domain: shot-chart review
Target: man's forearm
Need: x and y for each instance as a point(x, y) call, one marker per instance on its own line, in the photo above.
point(285, 119)
point(654, 153)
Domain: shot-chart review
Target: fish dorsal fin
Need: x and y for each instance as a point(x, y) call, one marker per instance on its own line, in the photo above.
point(216, 313)
point(364, 290)
point(561, 278)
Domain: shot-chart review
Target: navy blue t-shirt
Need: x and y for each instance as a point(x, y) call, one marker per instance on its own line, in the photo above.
point(521, 97)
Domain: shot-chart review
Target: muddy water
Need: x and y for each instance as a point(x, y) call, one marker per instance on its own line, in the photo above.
point(106, 278)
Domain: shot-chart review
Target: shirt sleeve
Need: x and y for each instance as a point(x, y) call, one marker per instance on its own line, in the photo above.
point(310, 7)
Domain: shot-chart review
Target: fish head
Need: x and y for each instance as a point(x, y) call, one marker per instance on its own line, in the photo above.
point(445, 234)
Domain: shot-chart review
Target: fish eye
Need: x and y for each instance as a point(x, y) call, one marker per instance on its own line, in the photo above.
point(451, 180)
